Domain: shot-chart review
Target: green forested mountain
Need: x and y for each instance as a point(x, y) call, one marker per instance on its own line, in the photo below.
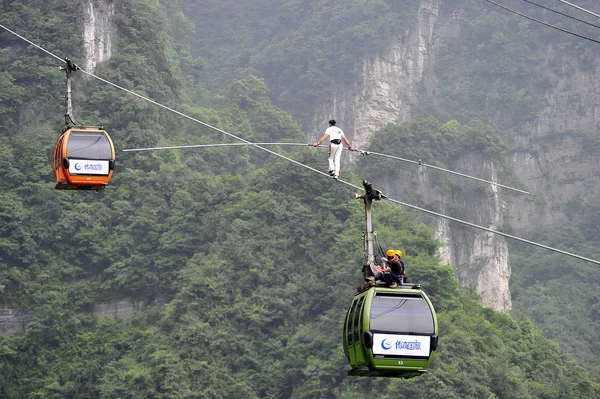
point(557, 292)
point(245, 262)
point(301, 48)
point(496, 77)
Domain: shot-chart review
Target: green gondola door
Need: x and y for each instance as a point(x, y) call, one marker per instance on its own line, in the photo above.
point(353, 331)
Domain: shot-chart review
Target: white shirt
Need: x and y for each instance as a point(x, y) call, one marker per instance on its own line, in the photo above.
point(334, 132)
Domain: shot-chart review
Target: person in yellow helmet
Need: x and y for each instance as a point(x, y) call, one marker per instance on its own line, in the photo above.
point(401, 275)
point(392, 269)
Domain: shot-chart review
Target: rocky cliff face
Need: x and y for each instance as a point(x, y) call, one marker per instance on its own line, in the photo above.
point(480, 257)
point(98, 32)
point(557, 158)
point(14, 321)
point(388, 85)
point(391, 83)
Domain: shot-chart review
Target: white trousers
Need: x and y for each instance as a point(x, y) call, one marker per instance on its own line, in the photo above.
point(335, 155)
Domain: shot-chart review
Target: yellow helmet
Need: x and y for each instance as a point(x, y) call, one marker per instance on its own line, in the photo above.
point(399, 253)
point(390, 253)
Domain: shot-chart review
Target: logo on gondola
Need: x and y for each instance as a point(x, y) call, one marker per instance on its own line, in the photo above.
point(401, 345)
point(386, 344)
point(93, 166)
point(89, 167)
point(408, 345)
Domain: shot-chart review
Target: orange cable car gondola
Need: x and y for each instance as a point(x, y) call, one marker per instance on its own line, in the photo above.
point(84, 157)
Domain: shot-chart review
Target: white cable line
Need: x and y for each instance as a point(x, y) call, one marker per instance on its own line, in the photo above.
point(563, 14)
point(299, 144)
point(542, 22)
point(580, 8)
point(442, 169)
point(341, 181)
point(208, 145)
point(495, 232)
point(247, 143)
point(32, 43)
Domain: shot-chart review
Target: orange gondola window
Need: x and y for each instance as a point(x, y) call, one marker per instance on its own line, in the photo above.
point(89, 153)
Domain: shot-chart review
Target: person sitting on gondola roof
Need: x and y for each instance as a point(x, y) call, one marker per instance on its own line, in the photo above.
point(393, 268)
point(379, 270)
point(402, 269)
point(374, 273)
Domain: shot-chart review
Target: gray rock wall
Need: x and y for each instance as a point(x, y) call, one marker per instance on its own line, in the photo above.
point(99, 33)
point(554, 158)
point(391, 83)
point(387, 87)
point(14, 321)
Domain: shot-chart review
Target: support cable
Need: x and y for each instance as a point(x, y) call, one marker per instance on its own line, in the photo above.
point(208, 145)
point(32, 43)
point(442, 169)
point(580, 8)
point(563, 14)
point(362, 152)
point(542, 22)
point(327, 175)
point(494, 231)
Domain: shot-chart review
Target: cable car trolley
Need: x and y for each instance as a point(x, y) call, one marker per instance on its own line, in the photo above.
point(84, 157)
point(388, 332)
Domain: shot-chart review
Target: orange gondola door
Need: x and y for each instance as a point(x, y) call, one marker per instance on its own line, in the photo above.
point(84, 159)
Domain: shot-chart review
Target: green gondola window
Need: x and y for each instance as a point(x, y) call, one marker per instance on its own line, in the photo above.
point(357, 318)
point(350, 320)
point(406, 314)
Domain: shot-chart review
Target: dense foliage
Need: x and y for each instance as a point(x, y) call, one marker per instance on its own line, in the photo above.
point(240, 263)
point(561, 295)
point(499, 70)
point(432, 141)
point(301, 48)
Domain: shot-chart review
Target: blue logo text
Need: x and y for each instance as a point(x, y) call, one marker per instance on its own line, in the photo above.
point(408, 345)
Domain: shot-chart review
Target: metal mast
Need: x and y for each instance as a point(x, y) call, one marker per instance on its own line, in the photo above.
point(370, 195)
point(70, 67)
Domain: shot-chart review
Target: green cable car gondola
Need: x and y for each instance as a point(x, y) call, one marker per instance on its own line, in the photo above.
point(390, 332)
